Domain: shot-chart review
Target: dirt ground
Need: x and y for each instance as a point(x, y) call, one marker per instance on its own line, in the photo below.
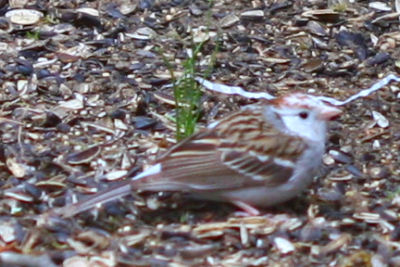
point(86, 102)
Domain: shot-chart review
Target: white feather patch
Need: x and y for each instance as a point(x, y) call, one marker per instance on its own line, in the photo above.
point(190, 153)
point(213, 124)
point(150, 171)
point(262, 158)
point(284, 162)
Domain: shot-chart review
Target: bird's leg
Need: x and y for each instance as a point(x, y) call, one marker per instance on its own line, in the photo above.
point(247, 209)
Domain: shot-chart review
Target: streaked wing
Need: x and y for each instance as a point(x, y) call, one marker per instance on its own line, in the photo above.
point(194, 164)
point(242, 150)
point(262, 169)
point(261, 152)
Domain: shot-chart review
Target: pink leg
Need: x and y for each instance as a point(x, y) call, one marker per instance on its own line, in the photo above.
point(247, 209)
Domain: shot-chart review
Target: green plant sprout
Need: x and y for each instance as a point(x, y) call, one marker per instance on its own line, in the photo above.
point(35, 35)
point(187, 92)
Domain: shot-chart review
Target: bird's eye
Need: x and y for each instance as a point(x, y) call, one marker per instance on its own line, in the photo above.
point(303, 114)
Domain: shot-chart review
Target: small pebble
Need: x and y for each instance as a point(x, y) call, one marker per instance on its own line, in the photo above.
point(328, 159)
point(252, 14)
point(380, 120)
point(24, 16)
point(378, 172)
point(340, 156)
point(283, 245)
point(376, 144)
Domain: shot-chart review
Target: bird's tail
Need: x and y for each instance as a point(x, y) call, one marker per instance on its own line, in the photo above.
point(111, 194)
point(143, 179)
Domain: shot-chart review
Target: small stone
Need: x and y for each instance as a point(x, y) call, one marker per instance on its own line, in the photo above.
point(20, 196)
point(316, 28)
point(17, 3)
point(7, 232)
point(327, 15)
point(313, 65)
point(310, 233)
point(320, 44)
point(116, 175)
point(395, 88)
point(376, 144)
point(354, 171)
point(22, 85)
point(378, 261)
point(119, 124)
point(127, 8)
point(153, 203)
point(3, 46)
point(229, 20)
point(378, 172)
point(73, 104)
point(84, 156)
point(252, 14)
point(24, 16)
point(283, 245)
point(340, 156)
point(328, 159)
point(201, 35)
point(143, 123)
point(378, 59)
point(329, 194)
point(381, 6)
point(16, 168)
point(88, 11)
point(144, 33)
point(380, 120)
point(76, 261)
point(195, 10)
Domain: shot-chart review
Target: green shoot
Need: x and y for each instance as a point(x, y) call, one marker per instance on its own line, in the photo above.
point(187, 93)
point(35, 35)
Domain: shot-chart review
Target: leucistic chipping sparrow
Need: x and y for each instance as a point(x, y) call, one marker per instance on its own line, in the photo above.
point(259, 156)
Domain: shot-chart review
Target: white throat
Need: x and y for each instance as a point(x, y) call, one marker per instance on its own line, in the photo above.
point(313, 129)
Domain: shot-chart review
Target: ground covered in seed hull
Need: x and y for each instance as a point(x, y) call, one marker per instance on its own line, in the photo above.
point(86, 102)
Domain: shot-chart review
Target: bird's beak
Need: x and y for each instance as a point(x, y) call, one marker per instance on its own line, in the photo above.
point(329, 112)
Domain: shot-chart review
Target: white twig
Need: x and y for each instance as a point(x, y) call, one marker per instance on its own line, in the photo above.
point(232, 90)
point(235, 90)
point(375, 87)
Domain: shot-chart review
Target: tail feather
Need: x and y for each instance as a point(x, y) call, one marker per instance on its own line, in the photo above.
point(119, 191)
point(111, 194)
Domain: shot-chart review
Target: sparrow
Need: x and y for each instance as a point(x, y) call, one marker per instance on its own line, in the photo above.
point(260, 156)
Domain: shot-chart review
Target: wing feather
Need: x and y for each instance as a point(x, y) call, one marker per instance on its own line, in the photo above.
point(242, 150)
